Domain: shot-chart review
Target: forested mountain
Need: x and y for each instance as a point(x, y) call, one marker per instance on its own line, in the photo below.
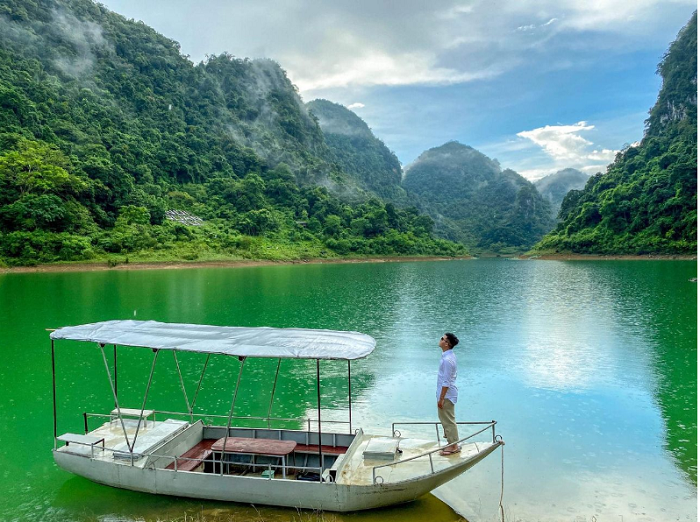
point(555, 186)
point(646, 202)
point(357, 151)
point(104, 126)
point(474, 201)
point(452, 183)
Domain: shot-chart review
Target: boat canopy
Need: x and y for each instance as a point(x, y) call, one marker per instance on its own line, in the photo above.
point(285, 343)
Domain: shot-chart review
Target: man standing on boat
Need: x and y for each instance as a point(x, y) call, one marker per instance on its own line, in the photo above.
point(447, 392)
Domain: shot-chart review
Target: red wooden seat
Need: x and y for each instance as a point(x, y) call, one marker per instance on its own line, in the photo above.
point(197, 454)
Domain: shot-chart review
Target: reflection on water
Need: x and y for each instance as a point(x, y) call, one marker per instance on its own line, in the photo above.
point(589, 367)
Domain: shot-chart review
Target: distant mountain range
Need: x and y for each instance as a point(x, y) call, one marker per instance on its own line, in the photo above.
point(469, 196)
point(555, 186)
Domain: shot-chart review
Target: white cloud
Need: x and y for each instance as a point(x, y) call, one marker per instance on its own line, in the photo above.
point(561, 142)
point(375, 68)
point(356, 105)
point(532, 27)
point(527, 27)
point(567, 148)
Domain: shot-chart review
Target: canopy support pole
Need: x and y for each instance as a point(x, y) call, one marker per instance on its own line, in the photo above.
point(53, 375)
point(114, 393)
point(143, 406)
point(230, 415)
point(199, 385)
point(349, 398)
point(318, 393)
point(182, 385)
point(116, 390)
point(274, 386)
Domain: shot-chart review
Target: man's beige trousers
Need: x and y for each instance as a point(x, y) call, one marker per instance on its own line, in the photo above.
point(446, 414)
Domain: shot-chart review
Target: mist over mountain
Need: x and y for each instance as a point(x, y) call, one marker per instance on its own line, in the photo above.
point(104, 126)
point(555, 186)
point(474, 201)
point(357, 151)
point(646, 202)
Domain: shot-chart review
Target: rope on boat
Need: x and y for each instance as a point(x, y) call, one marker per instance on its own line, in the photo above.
point(500, 502)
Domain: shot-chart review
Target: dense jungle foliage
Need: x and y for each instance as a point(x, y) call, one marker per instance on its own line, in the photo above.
point(646, 202)
point(104, 126)
point(473, 201)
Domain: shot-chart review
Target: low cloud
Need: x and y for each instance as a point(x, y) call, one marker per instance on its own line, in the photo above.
point(84, 36)
point(566, 147)
point(356, 105)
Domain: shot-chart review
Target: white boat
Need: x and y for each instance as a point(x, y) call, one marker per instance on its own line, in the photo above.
point(177, 453)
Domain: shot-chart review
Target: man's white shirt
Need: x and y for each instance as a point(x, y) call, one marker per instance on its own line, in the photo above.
point(447, 376)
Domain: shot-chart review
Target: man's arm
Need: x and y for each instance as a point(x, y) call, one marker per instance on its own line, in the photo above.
point(443, 392)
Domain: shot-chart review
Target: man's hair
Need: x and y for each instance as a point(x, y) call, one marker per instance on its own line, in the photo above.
point(452, 339)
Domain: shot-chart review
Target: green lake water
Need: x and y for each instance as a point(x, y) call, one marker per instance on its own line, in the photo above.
point(590, 368)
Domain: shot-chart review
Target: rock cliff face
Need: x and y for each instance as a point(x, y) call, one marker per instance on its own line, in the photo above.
point(677, 101)
point(473, 200)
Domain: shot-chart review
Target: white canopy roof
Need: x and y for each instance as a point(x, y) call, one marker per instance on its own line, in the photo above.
point(286, 343)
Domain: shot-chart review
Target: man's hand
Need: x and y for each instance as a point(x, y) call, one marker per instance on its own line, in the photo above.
point(441, 403)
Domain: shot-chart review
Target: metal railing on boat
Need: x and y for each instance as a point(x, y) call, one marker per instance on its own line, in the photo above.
point(267, 420)
point(220, 462)
point(429, 454)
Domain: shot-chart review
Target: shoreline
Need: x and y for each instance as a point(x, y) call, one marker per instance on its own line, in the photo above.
point(607, 257)
point(240, 263)
point(233, 263)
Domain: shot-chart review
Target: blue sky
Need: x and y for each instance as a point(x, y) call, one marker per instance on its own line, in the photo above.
point(540, 85)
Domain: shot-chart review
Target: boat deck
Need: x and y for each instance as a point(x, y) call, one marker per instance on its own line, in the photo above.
point(357, 469)
point(150, 436)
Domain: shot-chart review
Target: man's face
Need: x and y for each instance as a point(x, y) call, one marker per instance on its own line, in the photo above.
point(444, 343)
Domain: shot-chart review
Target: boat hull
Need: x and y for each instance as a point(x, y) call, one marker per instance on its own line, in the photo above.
point(326, 496)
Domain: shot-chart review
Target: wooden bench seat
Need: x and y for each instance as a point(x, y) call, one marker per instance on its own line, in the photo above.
point(251, 446)
point(194, 457)
point(255, 447)
point(313, 448)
